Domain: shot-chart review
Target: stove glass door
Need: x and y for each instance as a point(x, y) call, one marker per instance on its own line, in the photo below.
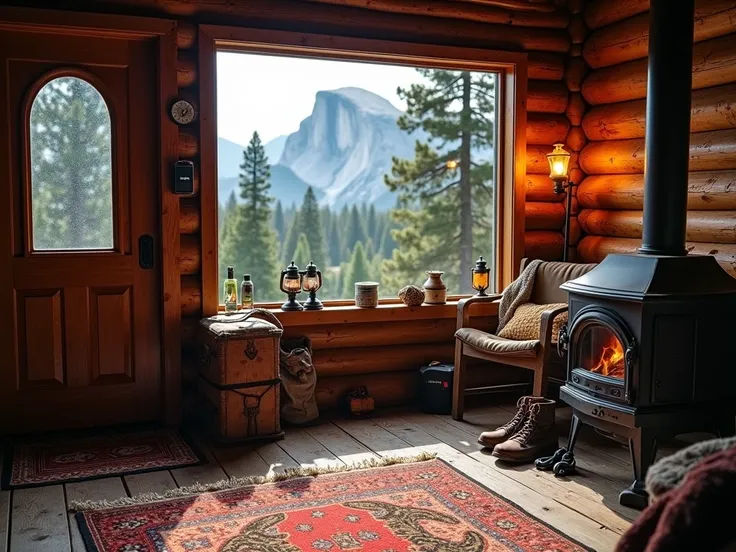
point(601, 352)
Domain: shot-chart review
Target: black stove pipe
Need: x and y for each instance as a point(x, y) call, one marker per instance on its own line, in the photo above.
point(668, 127)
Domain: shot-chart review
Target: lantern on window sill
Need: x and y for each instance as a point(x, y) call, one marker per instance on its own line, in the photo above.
point(481, 277)
point(311, 283)
point(558, 160)
point(291, 284)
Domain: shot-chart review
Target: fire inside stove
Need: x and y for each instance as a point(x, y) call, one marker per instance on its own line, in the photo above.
point(603, 353)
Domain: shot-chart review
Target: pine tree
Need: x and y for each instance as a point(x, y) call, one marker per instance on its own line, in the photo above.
point(250, 245)
point(302, 254)
point(279, 224)
point(358, 270)
point(226, 224)
point(335, 243)
point(371, 224)
point(445, 192)
point(311, 226)
point(71, 167)
point(292, 237)
point(354, 231)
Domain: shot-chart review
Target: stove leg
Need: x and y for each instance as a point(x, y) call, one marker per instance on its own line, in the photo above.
point(575, 425)
point(726, 427)
point(643, 447)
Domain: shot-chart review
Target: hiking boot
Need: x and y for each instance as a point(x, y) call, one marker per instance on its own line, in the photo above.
point(490, 439)
point(537, 437)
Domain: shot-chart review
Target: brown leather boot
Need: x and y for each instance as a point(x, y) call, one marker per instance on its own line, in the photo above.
point(490, 439)
point(537, 437)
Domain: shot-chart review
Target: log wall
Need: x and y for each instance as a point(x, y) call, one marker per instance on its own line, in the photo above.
point(611, 196)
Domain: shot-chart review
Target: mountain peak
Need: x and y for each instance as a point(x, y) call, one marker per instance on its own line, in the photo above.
point(363, 100)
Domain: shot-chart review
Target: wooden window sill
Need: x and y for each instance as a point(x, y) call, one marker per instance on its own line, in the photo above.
point(391, 312)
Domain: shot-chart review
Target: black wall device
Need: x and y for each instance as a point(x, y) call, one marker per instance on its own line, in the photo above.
point(183, 177)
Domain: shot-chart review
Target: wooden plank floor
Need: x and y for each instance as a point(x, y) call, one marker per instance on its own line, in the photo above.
point(584, 506)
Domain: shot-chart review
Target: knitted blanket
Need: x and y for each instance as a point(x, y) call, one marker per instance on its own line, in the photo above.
point(517, 293)
point(696, 515)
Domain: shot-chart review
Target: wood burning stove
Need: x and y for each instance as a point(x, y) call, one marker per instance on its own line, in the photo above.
point(650, 336)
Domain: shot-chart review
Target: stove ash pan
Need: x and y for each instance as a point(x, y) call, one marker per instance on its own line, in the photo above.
point(649, 333)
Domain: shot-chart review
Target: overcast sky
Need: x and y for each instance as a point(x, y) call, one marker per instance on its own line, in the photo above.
point(273, 94)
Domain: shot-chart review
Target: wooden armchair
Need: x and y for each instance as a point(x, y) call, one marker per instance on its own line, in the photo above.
point(537, 355)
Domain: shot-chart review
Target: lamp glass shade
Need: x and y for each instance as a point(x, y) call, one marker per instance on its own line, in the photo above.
point(480, 281)
point(558, 160)
point(292, 285)
point(312, 283)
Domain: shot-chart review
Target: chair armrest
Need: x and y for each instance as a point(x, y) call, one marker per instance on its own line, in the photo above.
point(545, 329)
point(463, 307)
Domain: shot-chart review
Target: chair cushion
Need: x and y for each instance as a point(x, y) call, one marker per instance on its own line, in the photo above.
point(550, 276)
point(526, 322)
point(493, 344)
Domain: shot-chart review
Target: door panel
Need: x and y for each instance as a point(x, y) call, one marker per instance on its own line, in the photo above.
point(82, 347)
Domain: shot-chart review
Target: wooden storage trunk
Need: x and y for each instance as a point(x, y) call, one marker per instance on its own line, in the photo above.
point(239, 380)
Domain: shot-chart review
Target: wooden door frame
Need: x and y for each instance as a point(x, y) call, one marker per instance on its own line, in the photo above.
point(512, 67)
point(164, 32)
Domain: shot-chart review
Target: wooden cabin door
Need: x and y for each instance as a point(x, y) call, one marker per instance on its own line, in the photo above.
point(79, 237)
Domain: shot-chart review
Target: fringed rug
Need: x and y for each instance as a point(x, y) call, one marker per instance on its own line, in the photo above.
point(421, 506)
point(63, 458)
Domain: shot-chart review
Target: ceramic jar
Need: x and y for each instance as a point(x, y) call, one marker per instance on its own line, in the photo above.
point(366, 295)
point(435, 290)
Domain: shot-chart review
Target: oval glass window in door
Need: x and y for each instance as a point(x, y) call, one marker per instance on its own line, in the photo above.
point(71, 167)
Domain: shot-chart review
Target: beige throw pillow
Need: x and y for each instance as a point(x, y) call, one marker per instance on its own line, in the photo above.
point(525, 323)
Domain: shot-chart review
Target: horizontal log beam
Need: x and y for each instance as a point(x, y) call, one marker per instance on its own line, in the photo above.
point(593, 249)
point(546, 128)
point(311, 17)
point(709, 151)
point(371, 334)
point(575, 108)
point(546, 97)
point(190, 254)
point(186, 35)
point(545, 66)
point(540, 188)
point(543, 216)
point(189, 216)
point(191, 296)
point(186, 70)
point(188, 144)
point(712, 109)
point(714, 64)
point(483, 13)
point(629, 39)
point(366, 360)
point(599, 13)
point(702, 226)
point(543, 244)
point(707, 190)
point(387, 389)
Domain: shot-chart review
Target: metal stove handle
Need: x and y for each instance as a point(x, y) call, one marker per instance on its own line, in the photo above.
point(562, 341)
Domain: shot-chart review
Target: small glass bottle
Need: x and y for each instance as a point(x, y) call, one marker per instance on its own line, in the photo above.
point(230, 291)
point(247, 293)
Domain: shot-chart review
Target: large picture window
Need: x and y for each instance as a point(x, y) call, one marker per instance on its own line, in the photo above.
point(375, 172)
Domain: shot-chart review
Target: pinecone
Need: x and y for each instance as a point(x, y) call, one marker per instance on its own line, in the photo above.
point(412, 296)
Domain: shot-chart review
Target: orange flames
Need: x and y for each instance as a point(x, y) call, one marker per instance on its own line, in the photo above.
point(611, 362)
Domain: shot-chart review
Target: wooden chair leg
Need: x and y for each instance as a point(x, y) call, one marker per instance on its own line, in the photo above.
point(458, 386)
point(540, 382)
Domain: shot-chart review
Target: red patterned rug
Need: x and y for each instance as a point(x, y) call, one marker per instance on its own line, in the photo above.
point(417, 507)
point(65, 458)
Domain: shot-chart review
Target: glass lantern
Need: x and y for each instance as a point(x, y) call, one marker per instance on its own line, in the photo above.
point(481, 277)
point(558, 160)
point(311, 283)
point(291, 284)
